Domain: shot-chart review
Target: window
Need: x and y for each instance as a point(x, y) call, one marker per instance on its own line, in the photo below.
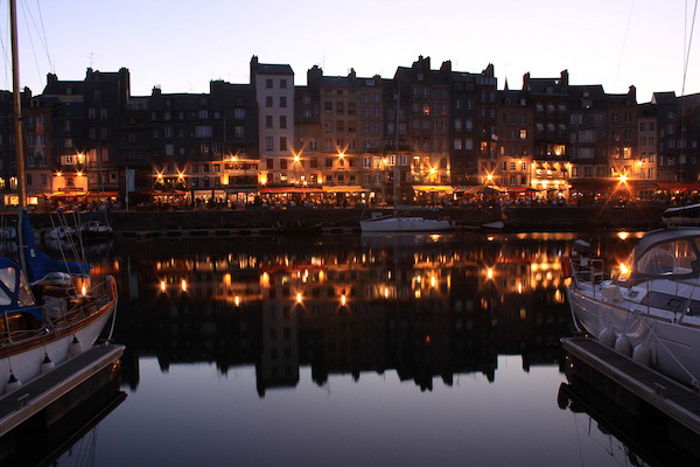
point(168, 132)
point(91, 113)
point(283, 84)
point(269, 144)
point(268, 83)
point(203, 114)
point(283, 143)
point(270, 164)
point(169, 150)
point(283, 121)
point(203, 131)
point(268, 121)
point(268, 101)
point(103, 114)
point(283, 164)
point(283, 102)
point(239, 114)
point(458, 143)
point(239, 131)
point(523, 134)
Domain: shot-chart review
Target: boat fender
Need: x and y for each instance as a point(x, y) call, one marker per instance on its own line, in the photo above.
point(46, 365)
point(607, 337)
point(623, 345)
point(75, 347)
point(13, 384)
point(642, 354)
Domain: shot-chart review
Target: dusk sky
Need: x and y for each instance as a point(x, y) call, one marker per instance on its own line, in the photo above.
point(184, 45)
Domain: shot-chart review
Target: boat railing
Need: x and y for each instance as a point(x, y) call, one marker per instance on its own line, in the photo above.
point(587, 270)
point(69, 305)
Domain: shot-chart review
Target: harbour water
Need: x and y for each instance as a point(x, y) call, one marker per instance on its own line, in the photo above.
point(392, 350)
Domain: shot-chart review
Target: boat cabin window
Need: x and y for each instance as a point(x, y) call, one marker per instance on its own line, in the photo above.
point(8, 277)
point(669, 258)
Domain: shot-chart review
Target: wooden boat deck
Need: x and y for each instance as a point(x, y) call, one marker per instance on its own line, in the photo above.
point(670, 397)
point(36, 395)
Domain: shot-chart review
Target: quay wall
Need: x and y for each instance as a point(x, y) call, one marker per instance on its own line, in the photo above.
point(573, 218)
point(569, 218)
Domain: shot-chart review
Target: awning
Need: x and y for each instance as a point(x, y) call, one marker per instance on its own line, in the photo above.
point(520, 189)
point(345, 189)
point(594, 185)
point(290, 189)
point(242, 189)
point(678, 186)
point(103, 193)
point(434, 188)
point(478, 189)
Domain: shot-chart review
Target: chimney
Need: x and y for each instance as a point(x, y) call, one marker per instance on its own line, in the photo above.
point(564, 77)
point(488, 71)
point(51, 78)
point(352, 73)
point(253, 67)
point(314, 75)
point(632, 92)
point(446, 66)
point(156, 90)
point(526, 81)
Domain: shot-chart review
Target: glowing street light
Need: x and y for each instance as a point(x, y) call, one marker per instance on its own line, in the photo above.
point(623, 178)
point(297, 158)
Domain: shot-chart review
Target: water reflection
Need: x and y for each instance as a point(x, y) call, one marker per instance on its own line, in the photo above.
point(431, 306)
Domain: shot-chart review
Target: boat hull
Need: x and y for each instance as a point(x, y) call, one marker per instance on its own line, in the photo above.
point(26, 363)
point(401, 224)
point(675, 347)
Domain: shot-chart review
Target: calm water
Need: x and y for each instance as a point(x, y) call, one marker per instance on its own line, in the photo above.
point(429, 350)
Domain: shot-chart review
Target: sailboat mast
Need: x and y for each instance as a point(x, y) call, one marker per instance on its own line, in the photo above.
point(17, 107)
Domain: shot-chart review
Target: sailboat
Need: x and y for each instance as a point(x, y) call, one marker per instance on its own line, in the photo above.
point(50, 310)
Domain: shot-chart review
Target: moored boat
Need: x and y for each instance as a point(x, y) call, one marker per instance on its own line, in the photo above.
point(651, 310)
point(405, 224)
point(44, 320)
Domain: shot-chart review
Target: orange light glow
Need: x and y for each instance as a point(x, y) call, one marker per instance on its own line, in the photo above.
point(624, 271)
point(297, 158)
point(162, 287)
point(263, 179)
point(623, 235)
point(343, 300)
point(79, 173)
point(299, 297)
point(623, 178)
point(489, 177)
point(59, 173)
point(183, 285)
point(83, 290)
point(237, 300)
point(489, 273)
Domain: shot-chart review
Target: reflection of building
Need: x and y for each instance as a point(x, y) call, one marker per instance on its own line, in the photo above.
point(425, 311)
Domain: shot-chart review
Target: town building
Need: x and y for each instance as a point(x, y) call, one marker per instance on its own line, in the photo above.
point(273, 85)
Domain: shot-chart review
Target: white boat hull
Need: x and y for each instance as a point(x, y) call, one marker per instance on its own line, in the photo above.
point(675, 347)
point(405, 224)
point(26, 365)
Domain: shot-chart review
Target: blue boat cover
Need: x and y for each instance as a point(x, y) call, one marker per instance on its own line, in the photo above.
point(10, 290)
point(38, 263)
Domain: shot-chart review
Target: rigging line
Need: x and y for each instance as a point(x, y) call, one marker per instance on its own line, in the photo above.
point(690, 42)
point(42, 40)
point(43, 31)
point(31, 42)
point(624, 43)
point(5, 55)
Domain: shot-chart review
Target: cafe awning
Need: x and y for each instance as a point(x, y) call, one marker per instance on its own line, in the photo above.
point(678, 186)
point(520, 189)
point(434, 188)
point(345, 189)
point(290, 189)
